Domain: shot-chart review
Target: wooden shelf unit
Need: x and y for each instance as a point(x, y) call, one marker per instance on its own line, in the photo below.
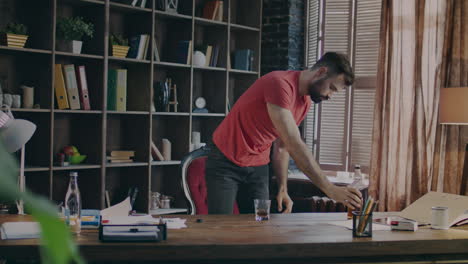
point(97, 131)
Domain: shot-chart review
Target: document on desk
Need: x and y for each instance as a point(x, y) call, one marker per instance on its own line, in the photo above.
point(172, 223)
point(20, 230)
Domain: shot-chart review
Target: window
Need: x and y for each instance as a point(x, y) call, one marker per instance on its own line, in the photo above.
point(339, 131)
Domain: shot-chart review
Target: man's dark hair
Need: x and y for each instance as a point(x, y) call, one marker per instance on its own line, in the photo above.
point(336, 63)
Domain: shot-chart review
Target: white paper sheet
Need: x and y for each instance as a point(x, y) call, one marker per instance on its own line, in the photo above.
point(20, 230)
point(120, 209)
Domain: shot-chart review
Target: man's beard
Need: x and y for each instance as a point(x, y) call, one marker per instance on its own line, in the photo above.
point(314, 90)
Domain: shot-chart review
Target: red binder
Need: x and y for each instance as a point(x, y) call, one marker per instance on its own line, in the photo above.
point(83, 87)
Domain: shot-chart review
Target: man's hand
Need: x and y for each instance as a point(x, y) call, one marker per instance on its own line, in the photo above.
point(284, 199)
point(349, 196)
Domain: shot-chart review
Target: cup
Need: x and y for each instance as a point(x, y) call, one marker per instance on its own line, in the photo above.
point(7, 100)
point(28, 96)
point(440, 218)
point(362, 224)
point(16, 101)
point(262, 209)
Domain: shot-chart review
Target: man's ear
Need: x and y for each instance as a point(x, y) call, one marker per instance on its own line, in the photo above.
point(322, 72)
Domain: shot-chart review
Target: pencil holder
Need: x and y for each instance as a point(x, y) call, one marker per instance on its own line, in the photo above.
point(362, 224)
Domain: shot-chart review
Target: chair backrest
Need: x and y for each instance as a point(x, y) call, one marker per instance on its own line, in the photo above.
point(194, 183)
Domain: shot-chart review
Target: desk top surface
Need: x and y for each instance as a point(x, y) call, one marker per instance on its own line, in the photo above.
point(286, 236)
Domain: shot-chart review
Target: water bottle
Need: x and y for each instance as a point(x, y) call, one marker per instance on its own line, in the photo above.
point(73, 204)
point(358, 184)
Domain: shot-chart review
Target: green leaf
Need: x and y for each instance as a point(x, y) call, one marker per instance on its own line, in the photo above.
point(57, 244)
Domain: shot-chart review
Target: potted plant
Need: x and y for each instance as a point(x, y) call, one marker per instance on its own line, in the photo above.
point(119, 46)
point(15, 35)
point(70, 33)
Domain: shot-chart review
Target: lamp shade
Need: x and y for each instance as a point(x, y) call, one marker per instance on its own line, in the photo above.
point(15, 132)
point(453, 106)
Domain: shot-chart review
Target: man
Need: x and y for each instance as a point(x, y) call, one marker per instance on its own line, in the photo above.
point(271, 109)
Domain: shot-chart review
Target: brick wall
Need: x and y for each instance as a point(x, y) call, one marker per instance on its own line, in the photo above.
point(282, 35)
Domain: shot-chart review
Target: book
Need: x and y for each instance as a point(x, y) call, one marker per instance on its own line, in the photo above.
point(120, 161)
point(156, 50)
point(155, 153)
point(146, 47)
point(209, 50)
point(121, 93)
point(72, 86)
point(112, 89)
point(59, 87)
point(116, 153)
point(142, 47)
point(83, 87)
point(209, 9)
point(118, 157)
point(183, 51)
point(242, 59)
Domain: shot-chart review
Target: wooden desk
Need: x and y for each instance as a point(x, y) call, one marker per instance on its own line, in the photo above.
point(293, 238)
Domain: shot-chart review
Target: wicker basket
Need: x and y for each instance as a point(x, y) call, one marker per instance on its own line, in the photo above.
point(119, 51)
point(17, 41)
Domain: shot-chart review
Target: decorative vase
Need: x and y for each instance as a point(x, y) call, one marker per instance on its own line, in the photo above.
point(119, 51)
point(161, 96)
point(199, 58)
point(15, 40)
point(73, 46)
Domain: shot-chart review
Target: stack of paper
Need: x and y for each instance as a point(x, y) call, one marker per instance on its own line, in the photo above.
point(20, 230)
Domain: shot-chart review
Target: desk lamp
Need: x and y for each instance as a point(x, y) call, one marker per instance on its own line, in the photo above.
point(453, 110)
point(15, 133)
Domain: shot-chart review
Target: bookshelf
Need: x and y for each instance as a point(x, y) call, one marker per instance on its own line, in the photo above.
point(97, 131)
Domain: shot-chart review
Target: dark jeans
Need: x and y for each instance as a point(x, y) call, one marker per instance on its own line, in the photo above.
point(227, 181)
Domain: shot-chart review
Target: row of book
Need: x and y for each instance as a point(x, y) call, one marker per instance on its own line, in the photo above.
point(71, 87)
point(214, 10)
point(211, 54)
point(139, 46)
point(121, 156)
point(243, 59)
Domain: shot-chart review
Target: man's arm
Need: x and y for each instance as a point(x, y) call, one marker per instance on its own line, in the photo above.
point(280, 166)
point(289, 133)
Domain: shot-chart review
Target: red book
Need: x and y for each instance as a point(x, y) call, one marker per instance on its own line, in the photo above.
point(83, 87)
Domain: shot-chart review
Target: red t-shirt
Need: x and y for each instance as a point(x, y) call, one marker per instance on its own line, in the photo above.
point(245, 136)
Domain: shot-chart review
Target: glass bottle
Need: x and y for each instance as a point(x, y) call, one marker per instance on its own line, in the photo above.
point(73, 204)
point(359, 184)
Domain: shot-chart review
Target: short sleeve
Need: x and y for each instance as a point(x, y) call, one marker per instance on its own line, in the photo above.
point(279, 93)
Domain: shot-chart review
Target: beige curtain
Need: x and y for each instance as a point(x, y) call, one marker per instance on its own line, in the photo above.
point(451, 140)
point(408, 83)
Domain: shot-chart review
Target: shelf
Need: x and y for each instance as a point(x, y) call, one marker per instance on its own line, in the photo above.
point(209, 114)
point(34, 168)
point(243, 72)
point(204, 68)
point(76, 167)
point(172, 64)
point(85, 2)
point(238, 27)
point(127, 164)
point(30, 110)
point(165, 163)
point(88, 56)
point(130, 8)
point(127, 112)
point(41, 51)
point(64, 111)
point(164, 14)
point(209, 22)
point(129, 60)
point(170, 114)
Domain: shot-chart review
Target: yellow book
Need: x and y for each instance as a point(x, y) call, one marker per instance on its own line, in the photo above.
point(72, 86)
point(59, 87)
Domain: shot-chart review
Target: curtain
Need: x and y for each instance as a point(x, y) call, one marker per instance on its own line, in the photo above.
point(406, 102)
point(451, 139)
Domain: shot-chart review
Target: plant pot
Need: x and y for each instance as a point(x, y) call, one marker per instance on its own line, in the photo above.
point(15, 40)
point(73, 46)
point(119, 51)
